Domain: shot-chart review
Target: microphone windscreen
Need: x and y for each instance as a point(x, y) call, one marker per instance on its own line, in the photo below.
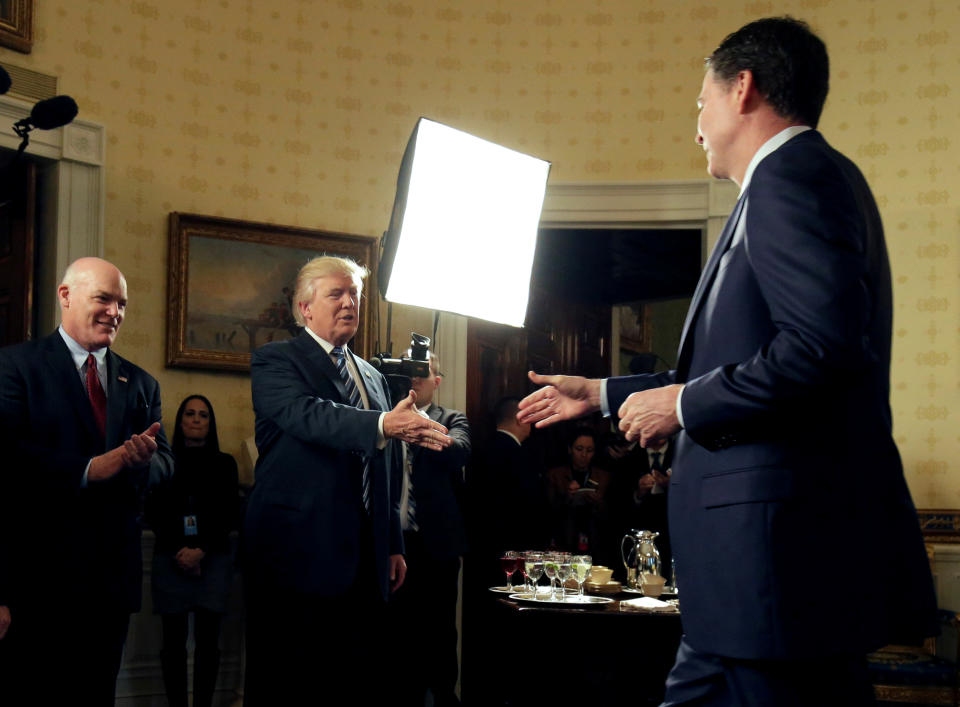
point(53, 112)
point(4, 81)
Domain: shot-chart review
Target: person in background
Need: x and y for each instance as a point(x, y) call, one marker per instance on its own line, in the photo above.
point(192, 515)
point(425, 607)
point(81, 437)
point(576, 495)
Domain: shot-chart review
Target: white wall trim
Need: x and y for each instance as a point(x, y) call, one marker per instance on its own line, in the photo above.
point(700, 203)
point(75, 191)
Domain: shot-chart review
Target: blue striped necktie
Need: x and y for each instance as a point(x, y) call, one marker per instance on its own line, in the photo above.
point(353, 397)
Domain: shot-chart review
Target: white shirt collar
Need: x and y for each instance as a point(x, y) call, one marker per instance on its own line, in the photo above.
point(510, 435)
point(770, 146)
point(327, 346)
point(79, 354)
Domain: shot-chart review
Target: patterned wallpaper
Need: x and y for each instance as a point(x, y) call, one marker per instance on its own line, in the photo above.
point(297, 112)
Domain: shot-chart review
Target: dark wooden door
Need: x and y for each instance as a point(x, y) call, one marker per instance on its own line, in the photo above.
point(17, 218)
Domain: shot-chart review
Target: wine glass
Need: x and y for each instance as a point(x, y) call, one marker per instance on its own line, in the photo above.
point(580, 567)
point(551, 564)
point(533, 566)
point(563, 571)
point(508, 563)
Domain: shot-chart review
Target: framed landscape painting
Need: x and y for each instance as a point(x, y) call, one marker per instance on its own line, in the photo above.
point(230, 287)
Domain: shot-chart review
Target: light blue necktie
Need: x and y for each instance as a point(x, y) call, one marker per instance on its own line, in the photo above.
point(353, 397)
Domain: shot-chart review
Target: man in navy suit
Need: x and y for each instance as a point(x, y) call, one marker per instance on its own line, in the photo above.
point(425, 608)
point(322, 544)
point(787, 341)
point(81, 438)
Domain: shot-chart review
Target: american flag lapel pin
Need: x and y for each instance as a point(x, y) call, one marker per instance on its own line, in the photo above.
point(122, 379)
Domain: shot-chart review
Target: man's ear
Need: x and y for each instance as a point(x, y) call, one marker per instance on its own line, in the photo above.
point(746, 92)
point(63, 296)
point(304, 307)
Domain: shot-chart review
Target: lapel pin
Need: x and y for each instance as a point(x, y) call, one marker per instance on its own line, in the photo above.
point(122, 379)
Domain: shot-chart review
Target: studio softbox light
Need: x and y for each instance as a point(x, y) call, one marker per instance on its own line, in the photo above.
point(463, 231)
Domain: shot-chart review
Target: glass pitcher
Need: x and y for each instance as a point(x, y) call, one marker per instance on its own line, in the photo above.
point(639, 553)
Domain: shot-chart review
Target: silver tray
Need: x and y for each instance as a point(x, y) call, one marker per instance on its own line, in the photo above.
point(570, 602)
point(504, 590)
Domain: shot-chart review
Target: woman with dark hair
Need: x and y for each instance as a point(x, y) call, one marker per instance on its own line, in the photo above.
point(576, 493)
point(192, 515)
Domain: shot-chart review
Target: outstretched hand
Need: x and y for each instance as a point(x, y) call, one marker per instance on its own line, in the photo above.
point(405, 422)
point(561, 398)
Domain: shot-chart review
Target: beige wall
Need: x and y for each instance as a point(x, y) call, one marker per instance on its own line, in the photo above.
point(297, 111)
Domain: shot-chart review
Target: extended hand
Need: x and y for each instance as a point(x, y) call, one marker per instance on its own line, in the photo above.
point(405, 422)
point(561, 398)
point(398, 572)
point(136, 451)
point(650, 415)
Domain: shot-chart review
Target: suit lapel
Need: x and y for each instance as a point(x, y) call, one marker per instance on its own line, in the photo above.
point(706, 278)
point(321, 369)
point(118, 378)
point(64, 371)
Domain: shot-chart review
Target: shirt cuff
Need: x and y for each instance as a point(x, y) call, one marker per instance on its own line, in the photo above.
point(604, 405)
point(83, 479)
point(679, 408)
point(381, 438)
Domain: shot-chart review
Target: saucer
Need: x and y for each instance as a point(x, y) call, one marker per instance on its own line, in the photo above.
point(611, 587)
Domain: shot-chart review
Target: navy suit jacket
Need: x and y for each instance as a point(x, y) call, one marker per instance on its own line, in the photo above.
point(787, 453)
point(305, 516)
point(60, 537)
point(438, 487)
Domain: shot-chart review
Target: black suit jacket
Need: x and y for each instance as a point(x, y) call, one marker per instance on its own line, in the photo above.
point(304, 521)
point(438, 487)
point(59, 535)
point(787, 342)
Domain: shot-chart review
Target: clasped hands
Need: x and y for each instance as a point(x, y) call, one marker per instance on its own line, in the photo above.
point(188, 559)
point(136, 452)
point(407, 423)
point(649, 416)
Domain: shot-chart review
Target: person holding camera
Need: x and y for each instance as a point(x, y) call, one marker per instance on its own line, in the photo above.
point(424, 609)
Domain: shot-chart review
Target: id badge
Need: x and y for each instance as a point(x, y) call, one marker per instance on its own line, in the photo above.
point(189, 525)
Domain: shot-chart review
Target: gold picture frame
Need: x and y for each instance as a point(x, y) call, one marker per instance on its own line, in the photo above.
point(230, 287)
point(16, 25)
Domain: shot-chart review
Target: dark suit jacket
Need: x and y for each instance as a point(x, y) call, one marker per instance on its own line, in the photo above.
point(305, 516)
point(514, 515)
point(787, 342)
point(62, 537)
point(438, 487)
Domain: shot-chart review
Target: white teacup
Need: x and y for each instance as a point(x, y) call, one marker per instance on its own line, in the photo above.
point(652, 584)
point(600, 574)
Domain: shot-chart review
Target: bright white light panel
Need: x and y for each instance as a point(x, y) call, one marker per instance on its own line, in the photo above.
point(469, 231)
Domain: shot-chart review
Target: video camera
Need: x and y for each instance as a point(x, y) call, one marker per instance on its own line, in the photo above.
point(399, 371)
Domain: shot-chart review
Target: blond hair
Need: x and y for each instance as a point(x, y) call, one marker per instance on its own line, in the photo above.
point(324, 266)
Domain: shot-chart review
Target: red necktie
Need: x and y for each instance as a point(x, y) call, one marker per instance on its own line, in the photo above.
point(97, 397)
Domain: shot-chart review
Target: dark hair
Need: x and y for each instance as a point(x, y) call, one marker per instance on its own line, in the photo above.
point(212, 442)
point(581, 431)
point(788, 61)
point(505, 409)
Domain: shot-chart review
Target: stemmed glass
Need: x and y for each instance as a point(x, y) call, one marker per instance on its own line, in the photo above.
point(509, 564)
point(533, 568)
point(563, 571)
point(580, 566)
point(551, 565)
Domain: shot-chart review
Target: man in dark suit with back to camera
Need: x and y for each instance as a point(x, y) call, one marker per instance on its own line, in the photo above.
point(322, 544)
point(787, 339)
point(80, 429)
point(425, 608)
